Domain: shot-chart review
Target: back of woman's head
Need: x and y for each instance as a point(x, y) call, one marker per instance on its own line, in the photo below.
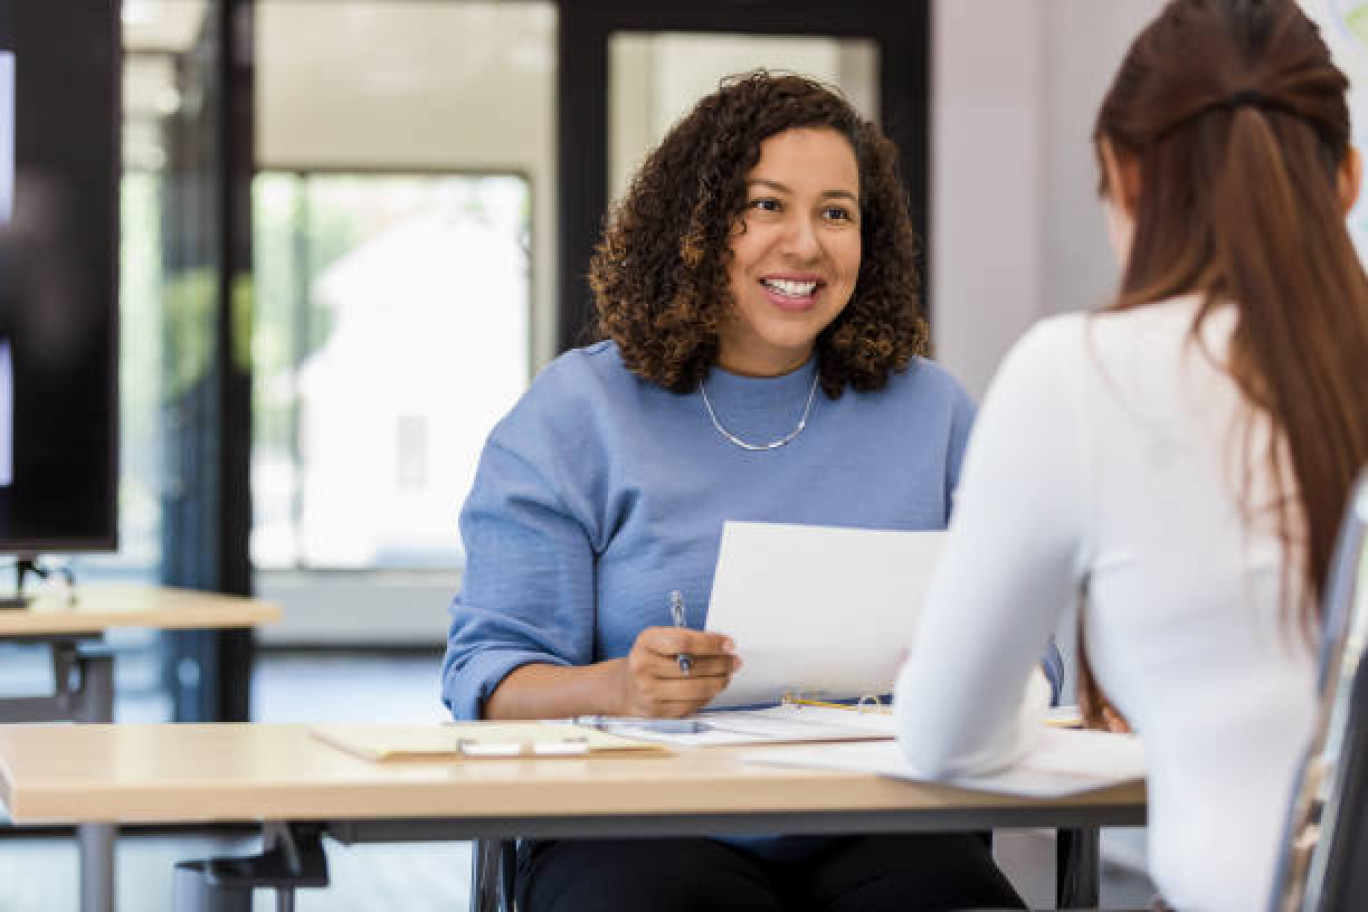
point(660, 274)
point(1232, 120)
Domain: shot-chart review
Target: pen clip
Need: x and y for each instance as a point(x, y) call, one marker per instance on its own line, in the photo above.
point(677, 608)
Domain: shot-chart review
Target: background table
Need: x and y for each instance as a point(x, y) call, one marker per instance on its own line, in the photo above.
point(83, 673)
point(281, 773)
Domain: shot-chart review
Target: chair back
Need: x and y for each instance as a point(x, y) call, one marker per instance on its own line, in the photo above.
point(1324, 864)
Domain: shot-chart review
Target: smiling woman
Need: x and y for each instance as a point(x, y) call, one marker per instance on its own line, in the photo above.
point(763, 250)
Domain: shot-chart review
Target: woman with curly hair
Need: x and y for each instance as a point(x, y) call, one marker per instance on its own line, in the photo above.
point(762, 361)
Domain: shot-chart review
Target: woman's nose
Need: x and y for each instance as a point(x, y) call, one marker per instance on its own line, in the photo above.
point(800, 240)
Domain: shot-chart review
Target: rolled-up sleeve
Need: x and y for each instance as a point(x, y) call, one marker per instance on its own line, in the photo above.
point(528, 591)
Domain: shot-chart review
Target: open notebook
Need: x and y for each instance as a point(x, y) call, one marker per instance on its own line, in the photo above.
point(474, 740)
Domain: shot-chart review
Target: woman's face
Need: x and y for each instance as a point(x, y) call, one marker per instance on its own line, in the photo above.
point(796, 253)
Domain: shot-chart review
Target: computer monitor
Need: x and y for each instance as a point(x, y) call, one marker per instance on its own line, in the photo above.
point(59, 169)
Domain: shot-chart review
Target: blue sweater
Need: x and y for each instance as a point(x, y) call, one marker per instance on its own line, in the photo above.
point(601, 492)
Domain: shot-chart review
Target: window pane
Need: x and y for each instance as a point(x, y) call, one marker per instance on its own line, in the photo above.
point(391, 334)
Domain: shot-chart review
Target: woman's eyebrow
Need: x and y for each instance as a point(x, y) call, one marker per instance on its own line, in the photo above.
point(783, 188)
point(765, 182)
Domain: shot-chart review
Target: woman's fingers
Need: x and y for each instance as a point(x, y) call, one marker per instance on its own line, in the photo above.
point(673, 641)
point(657, 683)
point(684, 694)
point(667, 666)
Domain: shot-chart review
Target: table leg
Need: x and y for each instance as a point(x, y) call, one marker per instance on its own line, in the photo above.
point(97, 866)
point(96, 705)
point(1078, 868)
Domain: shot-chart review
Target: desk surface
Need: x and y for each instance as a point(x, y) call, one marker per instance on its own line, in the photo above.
point(100, 607)
point(201, 773)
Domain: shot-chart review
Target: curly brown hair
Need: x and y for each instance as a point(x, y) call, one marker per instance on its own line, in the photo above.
point(660, 274)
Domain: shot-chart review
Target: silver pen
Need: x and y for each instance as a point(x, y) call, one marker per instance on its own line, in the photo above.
point(643, 723)
point(677, 615)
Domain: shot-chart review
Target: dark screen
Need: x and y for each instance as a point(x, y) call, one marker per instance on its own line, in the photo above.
point(58, 298)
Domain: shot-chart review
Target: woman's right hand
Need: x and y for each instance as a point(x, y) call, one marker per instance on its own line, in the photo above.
point(653, 683)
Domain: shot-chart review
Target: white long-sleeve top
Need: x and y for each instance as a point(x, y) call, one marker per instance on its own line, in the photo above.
point(1112, 448)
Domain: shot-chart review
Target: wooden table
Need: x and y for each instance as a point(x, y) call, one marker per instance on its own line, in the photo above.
point(84, 674)
point(281, 773)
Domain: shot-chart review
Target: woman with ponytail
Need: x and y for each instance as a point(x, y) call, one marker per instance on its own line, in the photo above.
point(1181, 457)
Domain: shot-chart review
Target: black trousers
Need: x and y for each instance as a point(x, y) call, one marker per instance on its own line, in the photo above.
point(922, 872)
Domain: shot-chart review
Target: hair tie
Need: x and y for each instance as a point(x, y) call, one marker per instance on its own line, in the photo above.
point(1245, 97)
point(1231, 102)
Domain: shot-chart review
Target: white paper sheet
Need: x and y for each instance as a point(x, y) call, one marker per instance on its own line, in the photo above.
point(772, 725)
point(1062, 762)
point(820, 611)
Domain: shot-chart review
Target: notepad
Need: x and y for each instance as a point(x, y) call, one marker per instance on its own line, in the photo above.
point(477, 740)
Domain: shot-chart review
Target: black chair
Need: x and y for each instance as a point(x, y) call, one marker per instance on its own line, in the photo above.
point(492, 866)
point(1324, 867)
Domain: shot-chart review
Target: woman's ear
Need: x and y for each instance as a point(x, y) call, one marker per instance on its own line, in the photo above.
point(1123, 178)
point(1119, 201)
point(1350, 179)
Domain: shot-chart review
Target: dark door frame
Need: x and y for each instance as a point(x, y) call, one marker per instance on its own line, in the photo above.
point(208, 512)
point(901, 30)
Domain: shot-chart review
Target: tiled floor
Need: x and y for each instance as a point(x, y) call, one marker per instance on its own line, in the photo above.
point(40, 875)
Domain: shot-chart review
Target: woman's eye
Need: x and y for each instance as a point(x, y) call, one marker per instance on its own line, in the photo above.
point(838, 214)
point(765, 204)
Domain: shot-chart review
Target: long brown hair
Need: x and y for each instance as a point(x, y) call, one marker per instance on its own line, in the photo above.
point(1234, 119)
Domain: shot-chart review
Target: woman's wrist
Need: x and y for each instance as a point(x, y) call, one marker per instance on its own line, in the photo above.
point(545, 691)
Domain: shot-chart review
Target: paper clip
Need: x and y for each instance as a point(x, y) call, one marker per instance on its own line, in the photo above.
point(561, 747)
point(566, 747)
point(869, 703)
point(470, 747)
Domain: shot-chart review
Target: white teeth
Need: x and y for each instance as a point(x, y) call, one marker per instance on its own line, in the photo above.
point(791, 289)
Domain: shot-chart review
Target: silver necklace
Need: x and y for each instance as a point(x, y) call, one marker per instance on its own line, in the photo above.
point(759, 447)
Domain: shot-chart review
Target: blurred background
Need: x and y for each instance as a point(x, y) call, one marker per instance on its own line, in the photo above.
point(353, 230)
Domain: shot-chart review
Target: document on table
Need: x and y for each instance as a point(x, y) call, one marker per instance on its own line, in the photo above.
point(1061, 762)
point(818, 611)
point(770, 725)
point(474, 740)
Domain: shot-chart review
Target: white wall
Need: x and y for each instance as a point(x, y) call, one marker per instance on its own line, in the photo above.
point(1016, 229)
